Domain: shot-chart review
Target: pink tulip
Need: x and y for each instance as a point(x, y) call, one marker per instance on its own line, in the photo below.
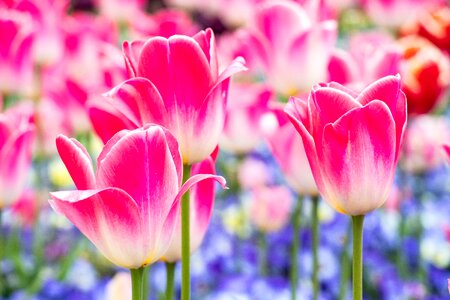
point(16, 64)
point(247, 105)
point(17, 134)
point(352, 141)
point(288, 150)
point(201, 208)
point(284, 39)
point(130, 219)
point(422, 143)
point(253, 173)
point(371, 56)
point(177, 85)
point(270, 207)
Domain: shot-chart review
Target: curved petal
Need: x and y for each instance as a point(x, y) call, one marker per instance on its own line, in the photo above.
point(146, 164)
point(77, 161)
point(107, 120)
point(110, 219)
point(358, 159)
point(207, 43)
point(341, 67)
point(385, 89)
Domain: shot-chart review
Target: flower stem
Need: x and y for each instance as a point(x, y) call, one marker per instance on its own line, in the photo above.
point(345, 265)
point(357, 228)
point(263, 254)
point(296, 246)
point(315, 246)
point(185, 240)
point(170, 272)
point(137, 283)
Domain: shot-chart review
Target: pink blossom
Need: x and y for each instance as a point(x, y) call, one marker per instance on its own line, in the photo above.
point(422, 143)
point(253, 173)
point(246, 106)
point(130, 219)
point(17, 134)
point(270, 207)
point(352, 141)
point(176, 83)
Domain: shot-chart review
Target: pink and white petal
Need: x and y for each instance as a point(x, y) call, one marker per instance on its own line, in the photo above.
point(131, 53)
point(342, 67)
point(155, 179)
point(385, 89)
point(400, 117)
point(110, 219)
point(358, 159)
point(191, 73)
point(77, 161)
point(154, 65)
point(107, 120)
point(207, 43)
point(140, 101)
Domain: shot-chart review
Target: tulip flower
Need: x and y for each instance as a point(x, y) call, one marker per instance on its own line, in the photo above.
point(352, 142)
point(286, 37)
point(16, 64)
point(176, 84)
point(447, 151)
point(17, 134)
point(247, 104)
point(425, 71)
point(371, 55)
point(130, 220)
point(422, 144)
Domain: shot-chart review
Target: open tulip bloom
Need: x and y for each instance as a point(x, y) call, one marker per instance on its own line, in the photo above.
point(352, 142)
point(129, 208)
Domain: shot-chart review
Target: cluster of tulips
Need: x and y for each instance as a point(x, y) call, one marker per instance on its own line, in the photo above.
point(159, 114)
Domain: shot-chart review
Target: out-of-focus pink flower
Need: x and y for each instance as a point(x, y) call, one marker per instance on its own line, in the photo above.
point(434, 25)
point(165, 23)
point(394, 199)
point(201, 208)
point(253, 173)
point(130, 219)
point(352, 141)
point(26, 208)
point(283, 39)
point(247, 104)
point(17, 134)
point(371, 55)
point(16, 61)
point(423, 141)
point(238, 13)
point(47, 20)
point(177, 85)
point(425, 73)
point(394, 13)
point(270, 207)
point(288, 150)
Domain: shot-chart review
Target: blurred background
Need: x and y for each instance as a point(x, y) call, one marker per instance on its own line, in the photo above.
point(57, 55)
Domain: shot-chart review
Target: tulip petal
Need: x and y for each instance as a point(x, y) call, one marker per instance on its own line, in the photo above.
point(151, 155)
point(77, 161)
point(342, 67)
point(110, 219)
point(358, 159)
point(207, 43)
point(385, 89)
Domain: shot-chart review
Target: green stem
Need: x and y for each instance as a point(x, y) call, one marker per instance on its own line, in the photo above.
point(357, 228)
point(185, 240)
point(296, 246)
point(170, 272)
point(137, 283)
point(263, 254)
point(345, 265)
point(315, 246)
